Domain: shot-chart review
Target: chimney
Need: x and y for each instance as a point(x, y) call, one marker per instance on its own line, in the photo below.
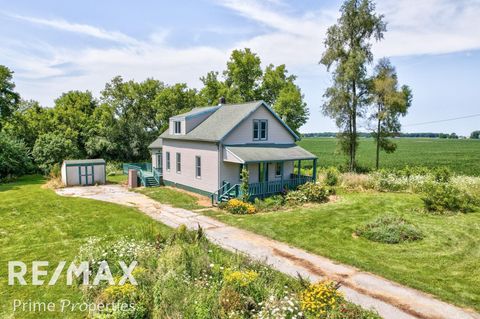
point(221, 101)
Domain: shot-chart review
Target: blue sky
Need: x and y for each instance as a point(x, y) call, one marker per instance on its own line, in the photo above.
point(56, 46)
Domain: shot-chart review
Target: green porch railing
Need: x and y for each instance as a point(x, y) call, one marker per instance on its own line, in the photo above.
point(138, 166)
point(264, 189)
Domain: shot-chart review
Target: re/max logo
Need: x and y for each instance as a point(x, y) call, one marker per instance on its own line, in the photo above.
point(17, 271)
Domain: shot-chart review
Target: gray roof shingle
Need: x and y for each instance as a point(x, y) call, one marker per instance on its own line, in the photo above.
point(270, 152)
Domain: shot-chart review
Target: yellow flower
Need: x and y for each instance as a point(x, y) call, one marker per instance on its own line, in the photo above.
point(320, 298)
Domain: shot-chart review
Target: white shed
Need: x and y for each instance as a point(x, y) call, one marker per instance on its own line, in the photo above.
point(83, 172)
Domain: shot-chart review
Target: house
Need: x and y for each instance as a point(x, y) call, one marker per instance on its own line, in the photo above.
point(83, 172)
point(205, 150)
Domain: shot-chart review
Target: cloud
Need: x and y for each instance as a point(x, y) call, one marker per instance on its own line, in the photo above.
point(83, 29)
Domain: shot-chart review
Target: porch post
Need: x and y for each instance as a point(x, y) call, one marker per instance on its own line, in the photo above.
point(299, 167)
point(281, 177)
point(314, 170)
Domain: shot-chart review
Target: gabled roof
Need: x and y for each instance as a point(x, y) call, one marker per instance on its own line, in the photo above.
point(222, 121)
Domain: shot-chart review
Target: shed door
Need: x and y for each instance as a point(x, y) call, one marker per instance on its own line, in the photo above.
point(86, 175)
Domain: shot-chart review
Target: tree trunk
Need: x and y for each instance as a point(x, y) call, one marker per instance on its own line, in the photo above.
point(353, 133)
point(378, 139)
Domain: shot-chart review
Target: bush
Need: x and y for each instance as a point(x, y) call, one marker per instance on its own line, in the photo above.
point(295, 198)
point(14, 157)
point(442, 174)
point(271, 203)
point(444, 197)
point(319, 299)
point(236, 206)
point(314, 192)
point(332, 176)
point(390, 230)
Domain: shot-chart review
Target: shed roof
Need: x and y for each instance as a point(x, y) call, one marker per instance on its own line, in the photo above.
point(252, 153)
point(223, 120)
point(85, 161)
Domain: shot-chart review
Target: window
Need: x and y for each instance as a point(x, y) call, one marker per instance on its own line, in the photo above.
point(198, 166)
point(167, 160)
point(278, 169)
point(179, 162)
point(260, 128)
point(177, 127)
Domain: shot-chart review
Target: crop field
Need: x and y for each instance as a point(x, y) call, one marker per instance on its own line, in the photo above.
point(461, 156)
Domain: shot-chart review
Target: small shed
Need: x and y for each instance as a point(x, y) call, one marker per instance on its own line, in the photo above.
point(84, 172)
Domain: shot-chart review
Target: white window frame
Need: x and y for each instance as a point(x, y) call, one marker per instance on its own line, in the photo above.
point(259, 130)
point(178, 163)
point(198, 166)
point(177, 124)
point(167, 161)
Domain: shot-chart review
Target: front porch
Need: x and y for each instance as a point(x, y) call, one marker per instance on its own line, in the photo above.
point(273, 169)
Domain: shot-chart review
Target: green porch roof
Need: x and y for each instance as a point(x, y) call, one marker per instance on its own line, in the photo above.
point(269, 153)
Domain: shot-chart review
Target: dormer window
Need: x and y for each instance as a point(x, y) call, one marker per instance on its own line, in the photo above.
point(177, 127)
point(260, 130)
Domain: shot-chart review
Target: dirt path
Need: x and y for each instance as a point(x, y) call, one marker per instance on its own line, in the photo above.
point(391, 300)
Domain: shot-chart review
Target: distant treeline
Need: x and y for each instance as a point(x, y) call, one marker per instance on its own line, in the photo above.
point(365, 134)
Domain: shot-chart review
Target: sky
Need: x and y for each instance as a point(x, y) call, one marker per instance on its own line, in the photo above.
point(57, 46)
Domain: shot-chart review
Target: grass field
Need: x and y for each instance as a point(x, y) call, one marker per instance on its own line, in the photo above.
point(37, 224)
point(462, 156)
point(445, 263)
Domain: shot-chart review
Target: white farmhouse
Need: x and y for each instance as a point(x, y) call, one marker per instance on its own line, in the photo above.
point(205, 150)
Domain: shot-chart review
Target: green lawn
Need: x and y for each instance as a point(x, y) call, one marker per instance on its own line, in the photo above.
point(118, 178)
point(462, 156)
point(37, 224)
point(445, 263)
point(171, 196)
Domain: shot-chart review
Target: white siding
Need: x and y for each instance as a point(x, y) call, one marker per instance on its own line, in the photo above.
point(70, 175)
point(230, 172)
point(277, 133)
point(172, 126)
point(188, 149)
point(64, 174)
point(155, 154)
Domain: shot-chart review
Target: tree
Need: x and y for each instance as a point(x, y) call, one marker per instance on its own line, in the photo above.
point(53, 148)
point(390, 103)
point(348, 49)
point(290, 106)
point(243, 76)
point(9, 99)
point(14, 157)
point(72, 117)
point(475, 135)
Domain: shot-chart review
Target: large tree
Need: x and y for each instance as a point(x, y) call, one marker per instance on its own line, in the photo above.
point(245, 81)
point(348, 51)
point(390, 102)
point(9, 99)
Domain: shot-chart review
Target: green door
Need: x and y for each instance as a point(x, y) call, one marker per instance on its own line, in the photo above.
point(86, 175)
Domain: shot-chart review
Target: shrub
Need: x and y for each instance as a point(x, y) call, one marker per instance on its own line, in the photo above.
point(332, 176)
point(55, 171)
point(14, 157)
point(442, 174)
point(314, 192)
point(444, 197)
point(122, 293)
point(236, 206)
point(390, 230)
point(271, 203)
point(319, 299)
point(295, 198)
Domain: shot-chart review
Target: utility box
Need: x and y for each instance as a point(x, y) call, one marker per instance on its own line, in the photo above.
point(132, 178)
point(84, 172)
